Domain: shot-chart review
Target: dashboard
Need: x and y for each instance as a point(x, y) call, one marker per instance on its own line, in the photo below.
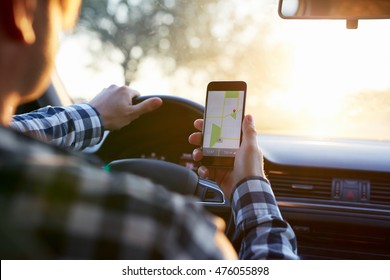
point(334, 193)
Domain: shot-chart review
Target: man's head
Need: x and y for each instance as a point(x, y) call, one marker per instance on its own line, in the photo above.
point(29, 31)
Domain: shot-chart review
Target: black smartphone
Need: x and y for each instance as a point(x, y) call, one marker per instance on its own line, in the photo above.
point(223, 116)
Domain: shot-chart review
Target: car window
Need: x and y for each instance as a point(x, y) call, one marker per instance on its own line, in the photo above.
point(305, 77)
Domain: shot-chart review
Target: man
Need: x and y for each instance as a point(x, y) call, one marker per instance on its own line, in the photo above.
point(57, 205)
point(82, 125)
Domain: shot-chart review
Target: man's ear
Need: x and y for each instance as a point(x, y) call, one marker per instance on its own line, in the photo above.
point(18, 18)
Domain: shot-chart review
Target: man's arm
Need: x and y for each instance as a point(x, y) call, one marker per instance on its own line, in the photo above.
point(81, 126)
point(75, 127)
point(260, 229)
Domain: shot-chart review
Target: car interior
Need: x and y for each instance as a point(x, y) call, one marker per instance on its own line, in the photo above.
point(334, 191)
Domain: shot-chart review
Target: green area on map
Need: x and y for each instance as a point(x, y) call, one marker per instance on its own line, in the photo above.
point(232, 94)
point(215, 135)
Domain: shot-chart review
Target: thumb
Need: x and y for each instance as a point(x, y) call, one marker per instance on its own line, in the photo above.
point(248, 130)
point(250, 156)
point(147, 106)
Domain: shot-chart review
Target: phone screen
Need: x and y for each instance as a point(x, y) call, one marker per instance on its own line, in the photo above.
point(225, 104)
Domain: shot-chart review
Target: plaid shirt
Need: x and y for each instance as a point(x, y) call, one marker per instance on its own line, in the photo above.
point(56, 204)
point(262, 232)
point(75, 127)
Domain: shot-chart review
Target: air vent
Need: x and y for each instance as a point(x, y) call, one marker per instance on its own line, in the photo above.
point(318, 185)
point(380, 191)
point(334, 241)
point(300, 186)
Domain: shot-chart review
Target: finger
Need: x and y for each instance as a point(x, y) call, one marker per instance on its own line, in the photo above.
point(112, 87)
point(197, 154)
point(133, 93)
point(195, 138)
point(248, 130)
point(146, 106)
point(198, 124)
point(203, 172)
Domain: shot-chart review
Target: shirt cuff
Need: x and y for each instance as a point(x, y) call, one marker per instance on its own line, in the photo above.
point(88, 125)
point(252, 199)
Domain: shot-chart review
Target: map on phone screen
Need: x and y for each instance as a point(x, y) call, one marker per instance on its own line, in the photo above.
point(223, 122)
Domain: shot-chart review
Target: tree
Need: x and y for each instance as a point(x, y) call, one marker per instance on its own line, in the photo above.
point(138, 29)
point(193, 34)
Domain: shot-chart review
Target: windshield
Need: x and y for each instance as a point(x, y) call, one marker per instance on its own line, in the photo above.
point(305, 77)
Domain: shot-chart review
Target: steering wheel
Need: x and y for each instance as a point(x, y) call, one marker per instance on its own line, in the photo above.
point(163, 134)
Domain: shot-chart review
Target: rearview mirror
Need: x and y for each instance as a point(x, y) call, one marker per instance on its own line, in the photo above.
point(350, 10)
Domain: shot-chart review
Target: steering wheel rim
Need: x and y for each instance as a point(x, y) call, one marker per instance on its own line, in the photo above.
point(173, 100)
point(174, 177)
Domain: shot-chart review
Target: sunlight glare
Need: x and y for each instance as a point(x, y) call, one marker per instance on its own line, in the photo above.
point(329, 63)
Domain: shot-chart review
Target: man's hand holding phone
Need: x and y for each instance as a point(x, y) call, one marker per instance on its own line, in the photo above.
point(248, 160)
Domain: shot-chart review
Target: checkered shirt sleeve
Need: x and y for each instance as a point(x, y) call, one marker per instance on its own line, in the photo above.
point(75, 126)
point(262, 232)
